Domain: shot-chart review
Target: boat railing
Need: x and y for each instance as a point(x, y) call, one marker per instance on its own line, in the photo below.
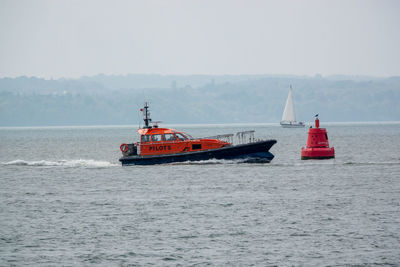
point(245, 137)
point(238, 138)
point(223, 137)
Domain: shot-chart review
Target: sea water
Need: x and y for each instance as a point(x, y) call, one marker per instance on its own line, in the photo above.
point(66, 200)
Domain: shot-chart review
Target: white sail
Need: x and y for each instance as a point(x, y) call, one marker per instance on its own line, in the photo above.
point(288, 113)
point(288, 116)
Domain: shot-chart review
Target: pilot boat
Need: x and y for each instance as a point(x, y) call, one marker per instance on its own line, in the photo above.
point(164, 145)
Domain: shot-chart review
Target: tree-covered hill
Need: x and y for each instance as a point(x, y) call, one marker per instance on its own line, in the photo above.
point(113, 100)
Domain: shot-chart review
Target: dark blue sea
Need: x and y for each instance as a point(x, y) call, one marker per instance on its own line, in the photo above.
point(65, 200)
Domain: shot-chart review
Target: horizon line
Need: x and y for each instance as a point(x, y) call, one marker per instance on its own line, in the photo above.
point(316, 75)
point(310, 123)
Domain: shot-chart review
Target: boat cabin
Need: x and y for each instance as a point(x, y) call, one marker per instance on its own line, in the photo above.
point(158, 141)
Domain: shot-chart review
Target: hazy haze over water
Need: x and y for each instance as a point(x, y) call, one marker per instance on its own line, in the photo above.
point(65, 199)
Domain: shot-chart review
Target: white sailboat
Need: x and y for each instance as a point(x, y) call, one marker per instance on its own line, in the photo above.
point(288, 116)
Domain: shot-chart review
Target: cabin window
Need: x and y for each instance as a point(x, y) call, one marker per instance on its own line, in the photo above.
point(181, 136)
point(156, 137)
point(145, 138)
point(196, 146)
point(169, 137)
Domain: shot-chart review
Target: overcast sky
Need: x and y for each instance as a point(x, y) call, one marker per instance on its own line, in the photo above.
point(75, 38)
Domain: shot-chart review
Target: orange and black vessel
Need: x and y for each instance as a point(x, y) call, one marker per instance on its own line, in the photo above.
point(164, 145)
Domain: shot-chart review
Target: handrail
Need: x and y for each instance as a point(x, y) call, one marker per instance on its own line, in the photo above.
point(239, 138)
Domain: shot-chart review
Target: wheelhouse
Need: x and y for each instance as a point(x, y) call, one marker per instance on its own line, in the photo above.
point(157, 141)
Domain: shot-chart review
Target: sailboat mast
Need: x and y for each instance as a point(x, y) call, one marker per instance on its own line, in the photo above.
point(293, 115)
point(288, 113)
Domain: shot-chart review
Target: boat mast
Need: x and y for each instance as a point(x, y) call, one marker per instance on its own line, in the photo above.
point(288, 113)
point(146, 115)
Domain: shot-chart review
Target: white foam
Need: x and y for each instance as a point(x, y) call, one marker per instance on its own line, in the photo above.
point(64, 163)
point(209, 161)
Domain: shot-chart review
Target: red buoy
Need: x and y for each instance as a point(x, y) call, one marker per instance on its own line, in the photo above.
point(317, 144)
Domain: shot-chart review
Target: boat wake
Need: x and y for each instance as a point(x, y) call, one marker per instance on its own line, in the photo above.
point(90, 163)
point(371, 163)
point(332, 162)
point(220, 161)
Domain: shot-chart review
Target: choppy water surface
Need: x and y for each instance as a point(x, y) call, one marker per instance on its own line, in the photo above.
point(65, 200)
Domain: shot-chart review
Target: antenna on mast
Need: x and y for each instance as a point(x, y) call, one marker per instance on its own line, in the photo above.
point(146, 115)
